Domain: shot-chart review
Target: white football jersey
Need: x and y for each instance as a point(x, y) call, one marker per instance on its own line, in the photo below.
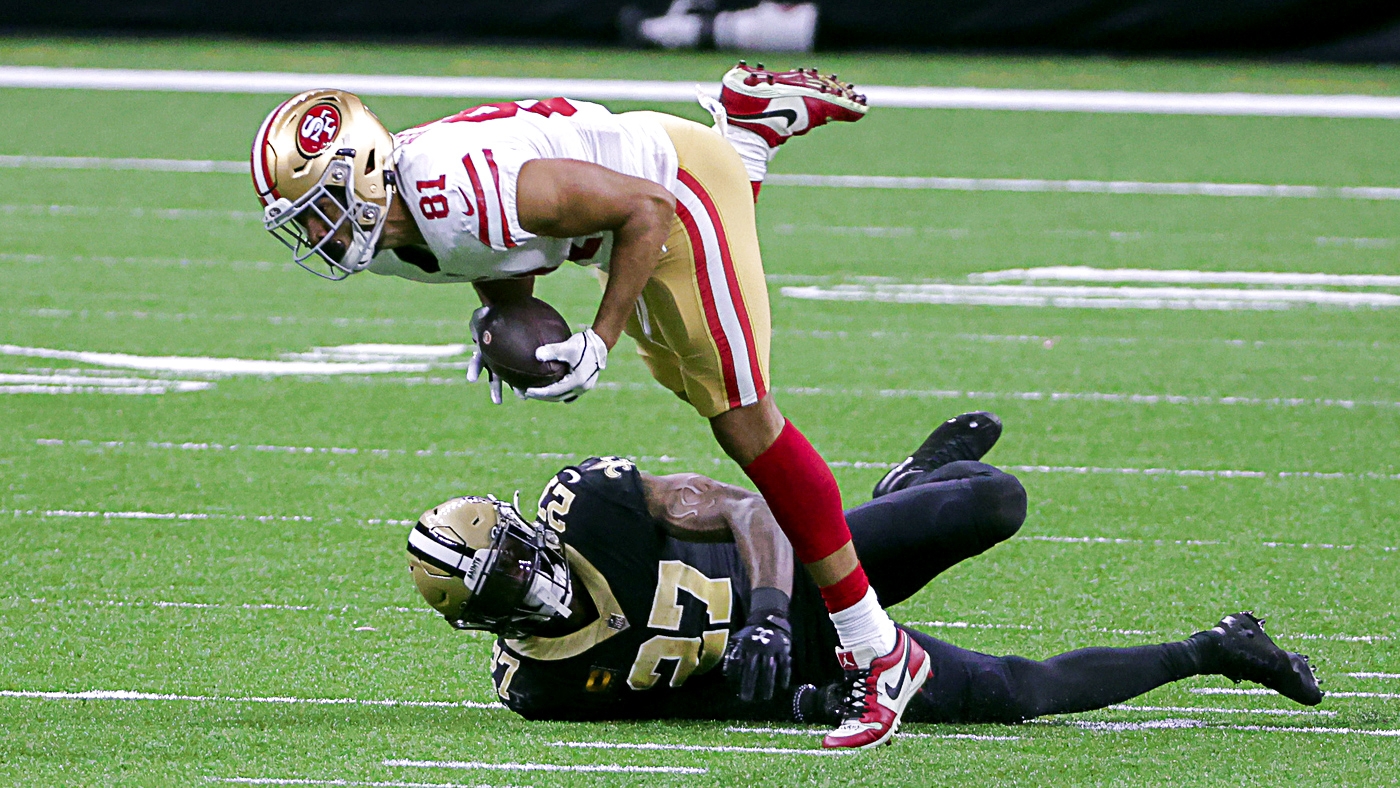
point(457, 176)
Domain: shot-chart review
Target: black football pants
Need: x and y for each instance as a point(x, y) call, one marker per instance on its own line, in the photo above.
point(948, 515)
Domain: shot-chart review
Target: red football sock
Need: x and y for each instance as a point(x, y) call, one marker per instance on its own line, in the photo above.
point(804, 498)
point(847, 591)
point(756, 186)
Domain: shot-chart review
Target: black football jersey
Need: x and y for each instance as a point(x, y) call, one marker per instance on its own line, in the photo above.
point(666, 609)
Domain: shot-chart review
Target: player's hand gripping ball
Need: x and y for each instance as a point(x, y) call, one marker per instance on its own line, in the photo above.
point(585, 353)
point(507, 337)
point(759, 659)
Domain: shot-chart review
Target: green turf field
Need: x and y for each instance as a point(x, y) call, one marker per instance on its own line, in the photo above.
point(287, 578)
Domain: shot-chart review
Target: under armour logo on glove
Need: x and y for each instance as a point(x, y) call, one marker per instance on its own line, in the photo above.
point(759, 659)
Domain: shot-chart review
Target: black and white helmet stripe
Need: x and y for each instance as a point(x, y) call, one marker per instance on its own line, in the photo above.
point(449, 556)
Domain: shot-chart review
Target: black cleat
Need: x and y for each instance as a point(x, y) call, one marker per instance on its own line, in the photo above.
point(819, 706)
point(1244, 653)
point(966, 437)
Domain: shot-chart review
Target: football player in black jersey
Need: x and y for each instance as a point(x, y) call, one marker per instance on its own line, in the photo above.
point(634, 596)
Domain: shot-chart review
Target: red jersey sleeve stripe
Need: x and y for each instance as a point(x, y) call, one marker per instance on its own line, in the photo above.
point(483, 222)
point(500, 198)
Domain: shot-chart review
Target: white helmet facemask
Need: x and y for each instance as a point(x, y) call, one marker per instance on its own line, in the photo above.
point(366, 219)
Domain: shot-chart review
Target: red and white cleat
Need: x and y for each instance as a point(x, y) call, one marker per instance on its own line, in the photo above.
point(780, 105)
point(878, 694)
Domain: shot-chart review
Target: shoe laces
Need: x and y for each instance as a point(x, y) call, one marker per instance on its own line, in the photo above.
point(852, 705)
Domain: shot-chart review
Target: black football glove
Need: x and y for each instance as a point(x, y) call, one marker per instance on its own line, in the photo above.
point(759, 659)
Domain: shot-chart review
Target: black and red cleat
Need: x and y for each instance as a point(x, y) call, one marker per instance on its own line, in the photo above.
point(780, 105)
point(1244, 653)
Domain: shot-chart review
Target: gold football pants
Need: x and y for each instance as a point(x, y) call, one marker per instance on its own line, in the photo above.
point(702, 323)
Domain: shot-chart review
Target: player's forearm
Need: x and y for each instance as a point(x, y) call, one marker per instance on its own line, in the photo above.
point(500, 291)
point(765, 551)
point(635, 255)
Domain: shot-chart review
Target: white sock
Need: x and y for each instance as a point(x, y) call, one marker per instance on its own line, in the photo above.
point(752, 149)
point(769, 27)
point(865, 624)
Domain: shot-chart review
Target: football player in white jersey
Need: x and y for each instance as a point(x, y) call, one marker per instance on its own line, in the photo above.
point(663, 207)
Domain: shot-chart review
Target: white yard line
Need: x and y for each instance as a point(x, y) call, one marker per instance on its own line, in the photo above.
point(1082, 273)
point(1047, 538)
point(1364, 675)
point(1111, 101)
point(1257, 691)
point(184, 317)
point(1332, 731)
point(139, 390)
point(900, 735)
point(1035, 185)
point(545, 767)
point(1223, 710)
point(178, 262)
point(905, 183)
point(1088, 396)
point(1346, 638)
point(605, 745)
point(1138, 632)
point(214, 366)
point(368, 784)
point(139, 514)
point(1198, 473)
point(1188, 723)
point(58, 383)
point(155, 696)
point(667, 459)
point(201, 214)
point(1084, 297)
point(253, 606)
point(427, 612)
point(106, 163)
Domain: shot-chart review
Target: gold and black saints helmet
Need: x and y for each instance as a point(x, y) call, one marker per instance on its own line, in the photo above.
point(321, 154)
point(481, 566)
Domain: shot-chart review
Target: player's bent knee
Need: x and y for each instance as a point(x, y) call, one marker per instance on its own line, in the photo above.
point(1001, 501)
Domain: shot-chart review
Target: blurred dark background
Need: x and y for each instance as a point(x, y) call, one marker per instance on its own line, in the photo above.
point(1335, 30)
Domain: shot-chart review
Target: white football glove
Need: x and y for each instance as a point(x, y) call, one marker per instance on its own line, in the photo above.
point(478, 362)
point(585, 353)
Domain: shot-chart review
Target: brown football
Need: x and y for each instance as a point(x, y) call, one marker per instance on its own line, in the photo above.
point(511, 332)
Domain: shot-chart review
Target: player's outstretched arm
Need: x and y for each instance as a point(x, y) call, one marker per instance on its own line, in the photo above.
point(563, 198)
point(695, 508)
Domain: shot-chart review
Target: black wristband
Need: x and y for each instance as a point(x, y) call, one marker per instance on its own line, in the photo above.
point(768, 601)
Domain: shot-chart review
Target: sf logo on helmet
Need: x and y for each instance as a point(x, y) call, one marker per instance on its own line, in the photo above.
point(318, 129)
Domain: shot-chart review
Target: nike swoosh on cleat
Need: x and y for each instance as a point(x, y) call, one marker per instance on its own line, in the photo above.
point(790, 114)
point(893, 692)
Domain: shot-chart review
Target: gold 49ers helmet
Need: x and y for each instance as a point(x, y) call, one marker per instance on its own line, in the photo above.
point(323, 153)
point(481, 566)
